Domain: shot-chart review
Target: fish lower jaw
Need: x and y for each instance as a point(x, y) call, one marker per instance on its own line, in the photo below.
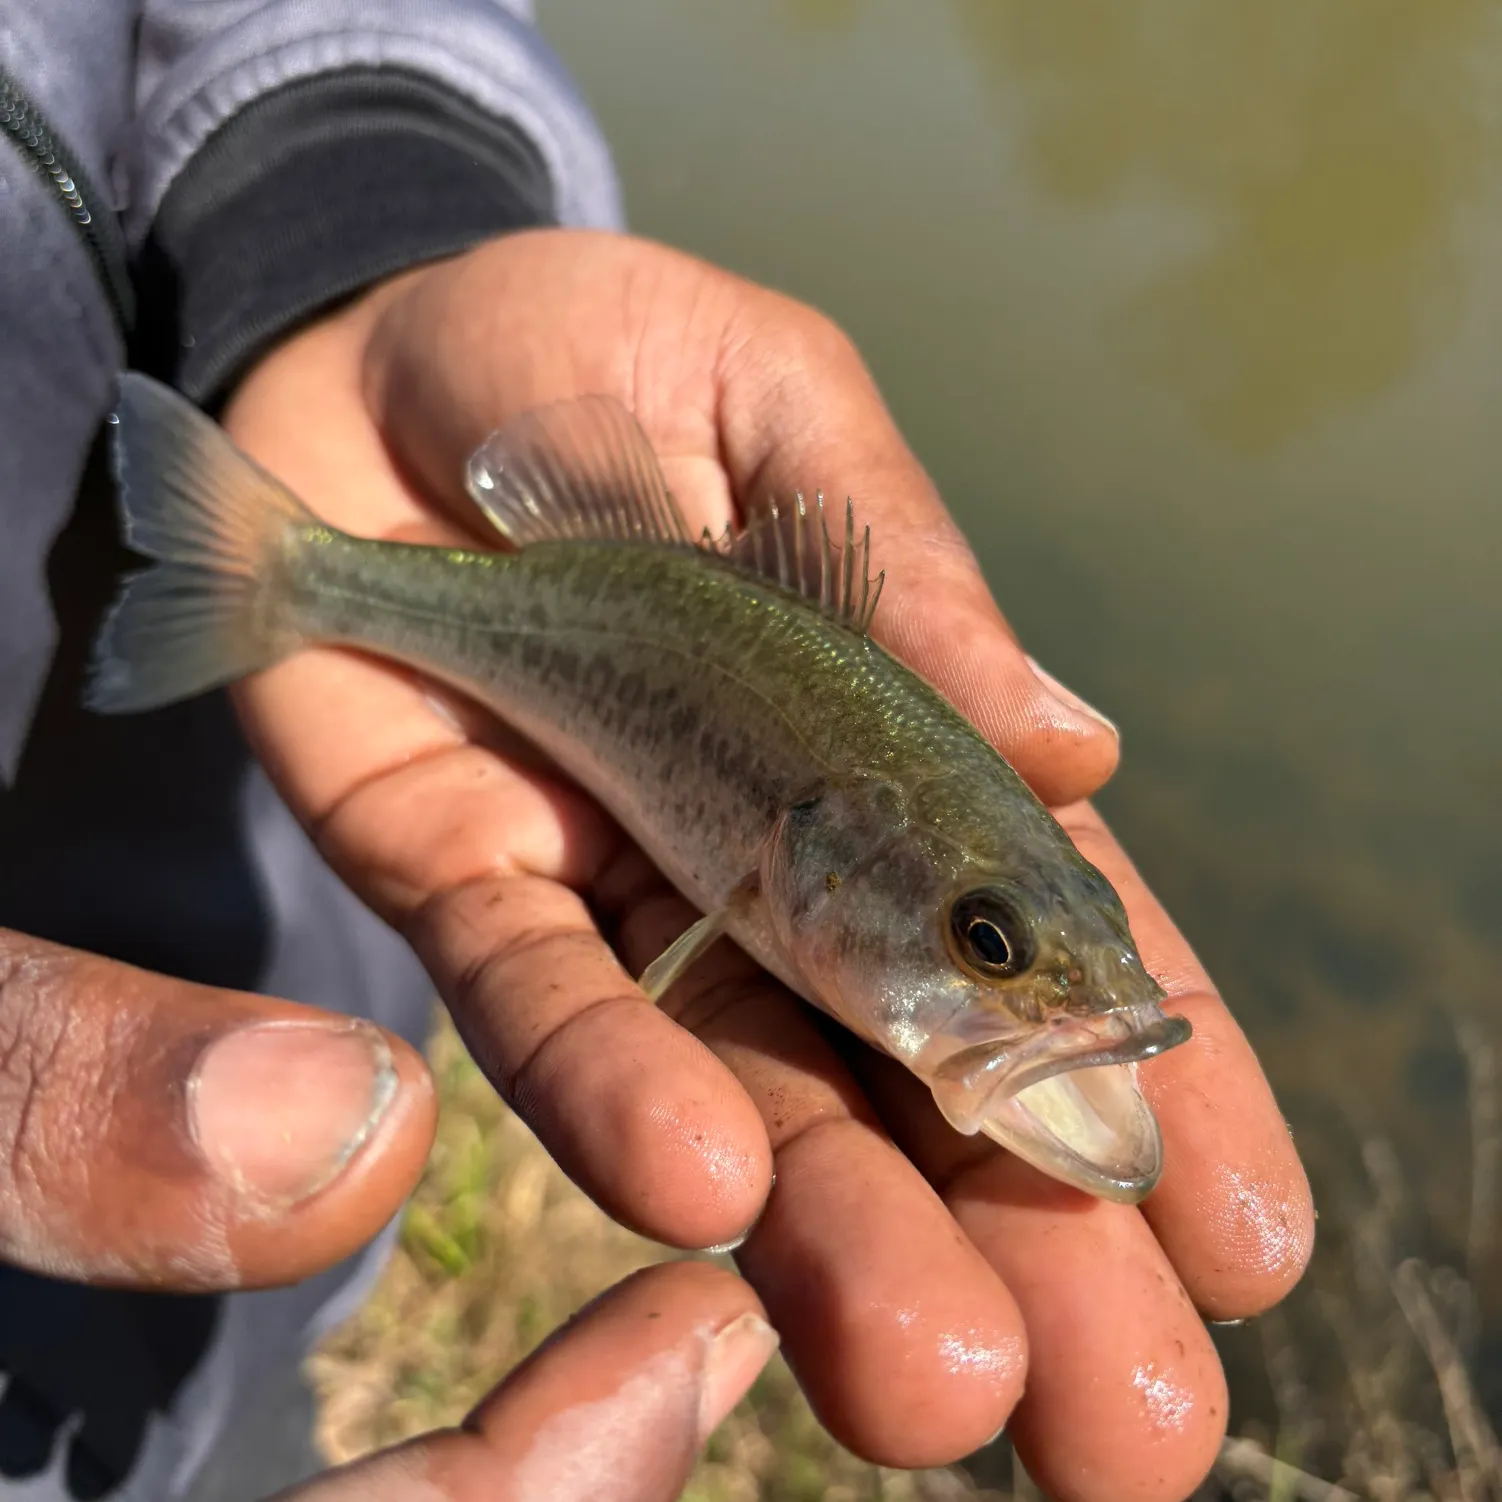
point(1065, 1097)
point(1090, 1128)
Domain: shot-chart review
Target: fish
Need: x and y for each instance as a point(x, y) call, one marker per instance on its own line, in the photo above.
point(724, 699)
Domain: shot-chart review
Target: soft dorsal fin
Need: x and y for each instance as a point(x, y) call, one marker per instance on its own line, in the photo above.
point(574, 469)
point(791, 545)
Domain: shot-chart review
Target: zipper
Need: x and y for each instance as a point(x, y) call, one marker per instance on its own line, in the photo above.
point(27, 127)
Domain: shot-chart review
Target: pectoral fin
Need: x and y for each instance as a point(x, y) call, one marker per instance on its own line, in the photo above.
point(681, 953)
point(693, 941)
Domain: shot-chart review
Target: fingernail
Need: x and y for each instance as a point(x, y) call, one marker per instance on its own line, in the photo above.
point(724, 1248)
point(278, 1109)
point(1069, 698)
point(735, 1359)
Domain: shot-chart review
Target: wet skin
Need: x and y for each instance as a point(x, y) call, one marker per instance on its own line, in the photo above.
point(629, 1391)
point(918, 1277)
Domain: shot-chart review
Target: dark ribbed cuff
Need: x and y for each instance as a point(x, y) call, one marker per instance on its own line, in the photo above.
point(309, 194)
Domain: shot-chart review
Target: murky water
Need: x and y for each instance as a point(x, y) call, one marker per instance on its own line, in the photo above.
point(1195, 314)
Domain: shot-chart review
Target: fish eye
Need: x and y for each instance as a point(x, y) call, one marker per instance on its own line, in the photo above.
point(990, 935)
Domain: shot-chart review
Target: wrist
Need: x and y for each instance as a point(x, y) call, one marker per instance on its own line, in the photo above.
point(312, 196)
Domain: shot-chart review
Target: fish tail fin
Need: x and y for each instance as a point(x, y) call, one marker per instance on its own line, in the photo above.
point(211, 608)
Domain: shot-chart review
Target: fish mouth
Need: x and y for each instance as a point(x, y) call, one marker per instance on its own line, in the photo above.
point(1065, 1097)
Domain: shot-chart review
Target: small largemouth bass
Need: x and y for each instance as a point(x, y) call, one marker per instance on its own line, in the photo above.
point(818, 802)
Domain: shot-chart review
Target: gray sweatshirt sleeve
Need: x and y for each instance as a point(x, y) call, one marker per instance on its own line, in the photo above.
point(67, 64)
point(271, 156)
point(285, 153)
point(199, 64)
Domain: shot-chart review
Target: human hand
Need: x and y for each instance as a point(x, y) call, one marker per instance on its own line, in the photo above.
point(614, 1407)
point(158, 1134)
point(918, 1277)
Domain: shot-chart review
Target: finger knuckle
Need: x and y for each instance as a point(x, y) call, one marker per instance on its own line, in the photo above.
point(51, 1089)
point(776, 336)
point(818, 337)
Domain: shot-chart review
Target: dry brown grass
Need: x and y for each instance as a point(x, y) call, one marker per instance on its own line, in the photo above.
point(498, 1248)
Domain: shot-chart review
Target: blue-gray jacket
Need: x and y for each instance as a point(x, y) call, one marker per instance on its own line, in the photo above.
point(181, 182)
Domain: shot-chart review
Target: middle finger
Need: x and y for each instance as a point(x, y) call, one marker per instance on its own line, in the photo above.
point(1125, 1395)
point(1233, 1209)
point(910, 1349)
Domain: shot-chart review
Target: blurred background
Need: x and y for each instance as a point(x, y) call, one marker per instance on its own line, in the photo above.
point(1193, 312)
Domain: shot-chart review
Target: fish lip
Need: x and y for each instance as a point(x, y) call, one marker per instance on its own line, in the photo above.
point(978, 1090)
point(1128, 1035)
point(1017, 1059)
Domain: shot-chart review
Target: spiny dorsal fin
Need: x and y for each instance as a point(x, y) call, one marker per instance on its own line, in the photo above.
point(791, 545)
point(574, 469)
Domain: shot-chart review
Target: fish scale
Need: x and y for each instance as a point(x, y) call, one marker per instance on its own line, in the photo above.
point(548, 636)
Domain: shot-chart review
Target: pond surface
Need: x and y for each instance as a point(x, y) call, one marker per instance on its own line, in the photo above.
point(1194, 312)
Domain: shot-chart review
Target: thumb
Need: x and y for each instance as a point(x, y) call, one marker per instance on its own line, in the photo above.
point(728, 379)
point(159, 1134)
point(615, 1407)
point(800, 411)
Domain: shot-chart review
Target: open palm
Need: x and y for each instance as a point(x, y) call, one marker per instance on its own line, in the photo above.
point(919, 1278)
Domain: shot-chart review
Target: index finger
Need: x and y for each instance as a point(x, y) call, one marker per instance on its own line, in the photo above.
point(616, 1404)
point(1233, 1209)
